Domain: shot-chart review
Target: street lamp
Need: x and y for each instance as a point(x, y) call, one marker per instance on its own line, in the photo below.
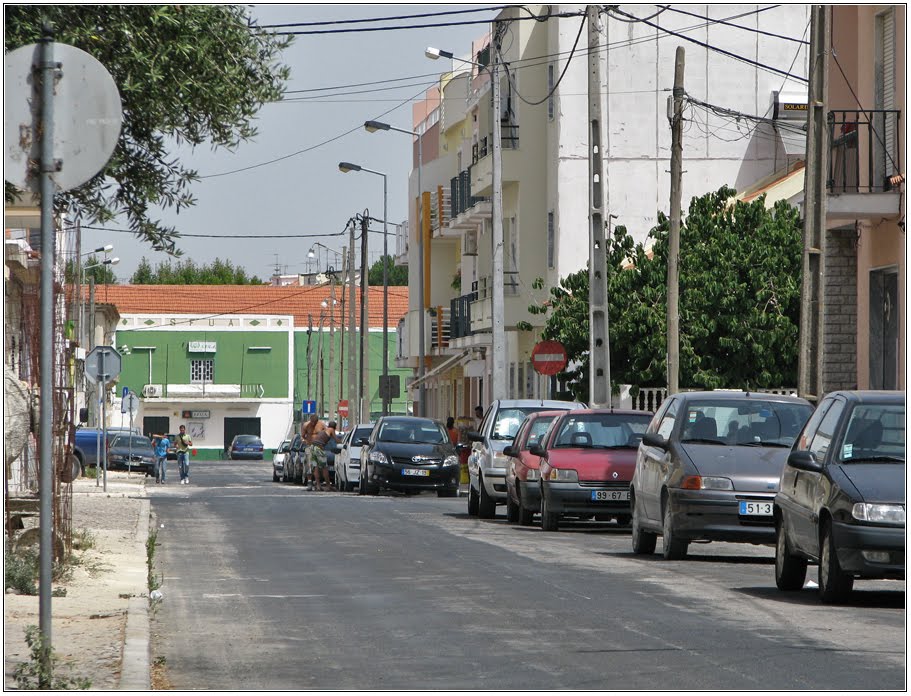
point(314, 253)
point(373, 127)
point(100, 250)
point(498, 330)
point(346, 167)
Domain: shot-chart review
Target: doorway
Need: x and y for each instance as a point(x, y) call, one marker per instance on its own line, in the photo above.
point(884, 315)
point(155, 425)
point(240, 426)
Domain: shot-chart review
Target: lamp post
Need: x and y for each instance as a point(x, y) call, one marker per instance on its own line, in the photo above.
point(346, 167)
point(373, 127)
point(498, 329)
point(314, 253)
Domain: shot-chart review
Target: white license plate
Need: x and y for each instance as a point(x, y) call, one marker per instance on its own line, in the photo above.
point(610, 495)
point(755, 509)
point(415, 472)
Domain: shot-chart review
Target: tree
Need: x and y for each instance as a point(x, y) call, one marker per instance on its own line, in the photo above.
point(740, 268)
point(188, 273)
point(92, 269)
point(187, 74)
point(395, 275)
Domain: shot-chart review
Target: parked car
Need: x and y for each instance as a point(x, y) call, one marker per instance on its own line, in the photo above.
point(246, 447)
point(348, 460)
point(708, 468)
point(586, 464)
point(293, 460)
point(841, 500)
point(85, 447)
point(410, 454)
point(279, 455)
point(487, 463)
point(132, 453)
point(523, 490)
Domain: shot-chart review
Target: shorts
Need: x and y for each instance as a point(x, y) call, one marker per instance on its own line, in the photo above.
point(317, 457)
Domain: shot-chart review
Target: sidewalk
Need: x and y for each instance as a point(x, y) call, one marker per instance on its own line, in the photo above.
point(100, 629)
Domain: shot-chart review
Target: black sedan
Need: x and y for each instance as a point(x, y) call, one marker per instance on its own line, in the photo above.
point(133, 453)
point(841, 501)
point(708, 468)
point(246, 447)
point(409, 454)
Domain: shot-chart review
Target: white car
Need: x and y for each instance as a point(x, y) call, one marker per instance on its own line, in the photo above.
point(279, 456)
point(348, 460)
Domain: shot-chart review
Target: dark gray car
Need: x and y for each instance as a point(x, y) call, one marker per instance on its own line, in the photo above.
point(708, 468)
point(133, 453)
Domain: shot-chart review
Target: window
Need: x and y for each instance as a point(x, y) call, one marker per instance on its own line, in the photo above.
point(550, 89)
point(550, 239)
point(668, 421)
point(202, 371)
point(826, 431)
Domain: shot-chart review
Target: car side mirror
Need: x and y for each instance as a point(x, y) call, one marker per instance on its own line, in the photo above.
point(475, 436)
point(654, 440)
point(461, 447)
point(537, 450)
point(804, 460)
point(510, 451)
point(363, 442)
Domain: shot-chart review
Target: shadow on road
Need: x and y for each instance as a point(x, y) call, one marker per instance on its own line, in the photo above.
point(658, 558)
point(809, 596)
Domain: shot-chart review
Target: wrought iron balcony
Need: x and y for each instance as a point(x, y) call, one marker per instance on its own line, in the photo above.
point(865, 152)
point(460, 198)
point(460, 315)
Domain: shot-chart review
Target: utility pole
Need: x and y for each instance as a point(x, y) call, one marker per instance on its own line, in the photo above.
point(341, 329)
point(673, 239)
point(812, 290)
point(599, 380)
point(364, 404)
point(498, 328)
point(333, 404)
point(353, 396)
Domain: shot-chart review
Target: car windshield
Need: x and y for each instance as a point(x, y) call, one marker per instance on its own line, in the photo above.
point(743, 422)
point(875, 433)
point(135, 442)
point(601, 430)
point(246, 440)
point(509, 419)
point(425, 433)
point(362, 434)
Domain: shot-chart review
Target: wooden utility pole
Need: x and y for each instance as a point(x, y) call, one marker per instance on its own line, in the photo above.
point(812, 290)
point(599, 380)
point(673, 240)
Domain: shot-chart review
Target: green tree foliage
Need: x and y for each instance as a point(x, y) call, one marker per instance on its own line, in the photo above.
point(188, 273)
point(187, 75)
point(396, 275)
point(740, 268)
point(102, 274)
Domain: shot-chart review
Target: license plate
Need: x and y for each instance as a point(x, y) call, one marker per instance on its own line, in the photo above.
point(610, 495)
point(415, 472)
point(755, 509)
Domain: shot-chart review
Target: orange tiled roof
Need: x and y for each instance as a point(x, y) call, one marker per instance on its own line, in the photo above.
point(298, 301)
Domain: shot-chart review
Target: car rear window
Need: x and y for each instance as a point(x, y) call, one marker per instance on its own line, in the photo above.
point(510, 419)
point(743, 422)
point(247, 440)
point(601, 430)
point(362, 433)
point(875, 433)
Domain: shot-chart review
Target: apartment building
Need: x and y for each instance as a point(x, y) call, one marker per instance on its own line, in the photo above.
point(544, 132)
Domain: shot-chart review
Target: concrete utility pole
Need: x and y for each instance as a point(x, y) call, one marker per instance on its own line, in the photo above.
point(341, 330)
point(364, 405)
point(599, 380)
point(333, 403)
point(498, 327)
point(812, 290)
point(353, 395)
point(673, 239)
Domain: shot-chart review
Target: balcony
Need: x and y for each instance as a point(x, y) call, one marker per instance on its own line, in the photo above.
point(460, 315)
point(864, 161)
point(465, 211)
point(439, 320)
point(440, 208)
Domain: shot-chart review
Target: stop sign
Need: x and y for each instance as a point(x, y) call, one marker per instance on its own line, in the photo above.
point(343, 408)
point(548, 357)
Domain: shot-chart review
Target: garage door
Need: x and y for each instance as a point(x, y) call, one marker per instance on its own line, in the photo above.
point(240, 426)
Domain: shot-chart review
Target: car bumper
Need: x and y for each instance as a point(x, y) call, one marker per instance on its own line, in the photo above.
point(715, 516)
point(495, 483)
point(851, 540)
point(530, 495)
point(247, 455)
point(442, 478)
point(147, 467)
point(353, 472)
point(573, 498)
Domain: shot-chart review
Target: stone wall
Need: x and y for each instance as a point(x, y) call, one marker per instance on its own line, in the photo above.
point(840, 336)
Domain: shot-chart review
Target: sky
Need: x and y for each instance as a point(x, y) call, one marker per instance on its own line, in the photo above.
point(306, 193)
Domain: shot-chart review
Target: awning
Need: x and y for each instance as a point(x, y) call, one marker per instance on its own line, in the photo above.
point(448, 363)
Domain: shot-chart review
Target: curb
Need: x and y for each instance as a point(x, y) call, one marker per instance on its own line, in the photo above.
point(135, 671)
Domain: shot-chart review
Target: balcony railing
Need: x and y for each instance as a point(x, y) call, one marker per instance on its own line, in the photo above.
point(509, 137)
point(440, 327)
point(440, 207)
point(874, 132)
point(483, 287)
point(460, 198)
point(460, 315)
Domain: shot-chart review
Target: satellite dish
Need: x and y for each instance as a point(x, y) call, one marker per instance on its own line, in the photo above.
point(87, 117)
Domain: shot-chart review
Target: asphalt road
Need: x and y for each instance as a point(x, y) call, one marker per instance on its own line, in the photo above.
point(267, 586)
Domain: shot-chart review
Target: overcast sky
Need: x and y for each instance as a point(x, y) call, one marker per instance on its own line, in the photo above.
point(306, 193)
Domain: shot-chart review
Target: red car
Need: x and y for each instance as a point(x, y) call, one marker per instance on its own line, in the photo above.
point(523, 491)
point(587, 462)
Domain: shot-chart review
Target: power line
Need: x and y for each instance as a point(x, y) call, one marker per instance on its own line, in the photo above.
point(608, 9)
point(226, 236)
point(736, 26)
point(382, 19)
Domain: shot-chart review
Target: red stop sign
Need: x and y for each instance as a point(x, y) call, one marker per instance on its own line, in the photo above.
point(548, 357)
point(343, 408)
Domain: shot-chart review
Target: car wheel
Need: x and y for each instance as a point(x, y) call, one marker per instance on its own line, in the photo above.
point(487, 506)
point(643, 542)
point(446, 493)
point(790, 570)
point(623, 520)
point(275, 477)
point(526, 516)
point(834, 583)
point(512, 510)
point(674, 548)
point(472, 500)
point(362, 483)
point(550, 520)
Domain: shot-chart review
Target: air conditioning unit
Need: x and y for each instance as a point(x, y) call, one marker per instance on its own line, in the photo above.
point(152, 390)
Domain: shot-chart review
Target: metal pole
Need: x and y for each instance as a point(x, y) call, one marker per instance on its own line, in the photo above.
point(352, 336)
point(102, 392)
point(364, 403)
point(46, 417)
point(333, 403)
point(599, 379)
point(422, 409)
point(385, 303)
point(498, 335)
point(341, 328)
point(673, 239)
